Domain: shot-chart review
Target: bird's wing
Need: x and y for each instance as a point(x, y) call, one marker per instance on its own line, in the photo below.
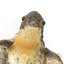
point(52, 58)
point(4, 45)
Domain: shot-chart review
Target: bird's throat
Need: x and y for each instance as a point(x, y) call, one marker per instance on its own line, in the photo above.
point(27, 40)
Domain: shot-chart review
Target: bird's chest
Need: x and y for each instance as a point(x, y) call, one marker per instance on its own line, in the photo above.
point(36, 57)
point(28, 48)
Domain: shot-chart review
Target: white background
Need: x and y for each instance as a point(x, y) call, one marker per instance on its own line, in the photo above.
point(11, 12)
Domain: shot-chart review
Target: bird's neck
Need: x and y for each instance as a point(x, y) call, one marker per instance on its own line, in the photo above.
point(30, 36)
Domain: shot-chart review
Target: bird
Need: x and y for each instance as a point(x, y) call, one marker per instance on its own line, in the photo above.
point(28, 47)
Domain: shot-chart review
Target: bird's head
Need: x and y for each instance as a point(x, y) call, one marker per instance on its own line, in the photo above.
point(33, 19)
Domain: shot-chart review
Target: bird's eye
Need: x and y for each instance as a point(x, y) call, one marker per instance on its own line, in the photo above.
point(43, 23)
point(23, 18)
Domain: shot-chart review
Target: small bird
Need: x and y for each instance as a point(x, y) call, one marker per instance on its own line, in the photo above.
point(28, 47)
